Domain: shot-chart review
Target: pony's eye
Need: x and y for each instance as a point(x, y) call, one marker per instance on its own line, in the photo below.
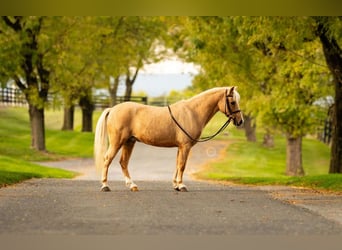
point(233, 103)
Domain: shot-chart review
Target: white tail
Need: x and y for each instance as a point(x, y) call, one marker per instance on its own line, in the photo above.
point(100, 140)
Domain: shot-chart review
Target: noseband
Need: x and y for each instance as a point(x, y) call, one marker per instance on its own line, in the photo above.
point(227, 109)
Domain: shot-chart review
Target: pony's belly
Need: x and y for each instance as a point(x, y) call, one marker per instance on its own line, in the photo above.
point(158, 142)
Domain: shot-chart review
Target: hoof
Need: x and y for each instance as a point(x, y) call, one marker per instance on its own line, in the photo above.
point(182, 189)
point(105, 189)
point(134, 189)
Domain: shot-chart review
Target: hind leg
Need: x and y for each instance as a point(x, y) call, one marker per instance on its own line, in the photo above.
point(109, 156)
point(127, 149)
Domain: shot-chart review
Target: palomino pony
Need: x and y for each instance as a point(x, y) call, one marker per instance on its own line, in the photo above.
point(178, 125)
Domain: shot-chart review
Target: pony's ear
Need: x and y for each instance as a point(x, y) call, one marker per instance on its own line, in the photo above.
point(232, 90)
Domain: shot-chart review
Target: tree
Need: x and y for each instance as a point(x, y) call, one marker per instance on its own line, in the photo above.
point(280, 71)
point(25, 51)
point(296, 32)
point(293, 110)
point(128, 44)
point(330, 35)
point(77, 68)
point(67, 70)
point(212, 43)
point(96, 49)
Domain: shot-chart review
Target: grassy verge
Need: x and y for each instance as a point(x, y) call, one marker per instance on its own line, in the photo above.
point(15, 170)
point(327, 182)
point(15, 137)
point(251, 163)
point(16, 156)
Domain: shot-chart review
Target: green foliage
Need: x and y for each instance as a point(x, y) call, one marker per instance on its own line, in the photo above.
point(68, 57)
point(93, 49)
point(277, 62)
point(76, 66)
point(79, 53)
point(27, 53)
point(132, 42)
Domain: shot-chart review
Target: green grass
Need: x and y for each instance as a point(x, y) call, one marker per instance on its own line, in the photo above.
point(15, 136)
point(15, 170)
point(246, 159)
point(328, 182)
point(16, 155)
point(251, 163)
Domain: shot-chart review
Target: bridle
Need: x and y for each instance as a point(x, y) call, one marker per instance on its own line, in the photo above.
point(229, 114)
point(227, 107)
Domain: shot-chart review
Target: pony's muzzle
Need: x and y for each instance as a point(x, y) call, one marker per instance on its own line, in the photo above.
point(238, 123)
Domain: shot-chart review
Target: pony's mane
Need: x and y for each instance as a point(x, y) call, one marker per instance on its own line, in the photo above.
point(208, 92)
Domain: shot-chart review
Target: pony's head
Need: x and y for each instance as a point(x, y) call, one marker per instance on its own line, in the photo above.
point(231, 107)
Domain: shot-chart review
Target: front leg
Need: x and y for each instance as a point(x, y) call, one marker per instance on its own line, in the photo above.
point(182, 157)
point(176, 185)
point(175, 179)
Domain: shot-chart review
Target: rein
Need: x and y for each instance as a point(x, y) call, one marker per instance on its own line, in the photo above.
point(228, 112)
point(202, 139)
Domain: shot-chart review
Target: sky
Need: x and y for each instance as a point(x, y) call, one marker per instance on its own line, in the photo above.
point(158, 79)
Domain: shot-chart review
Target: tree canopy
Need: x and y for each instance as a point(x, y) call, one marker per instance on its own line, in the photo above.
point(277, 62)
point(282, 65)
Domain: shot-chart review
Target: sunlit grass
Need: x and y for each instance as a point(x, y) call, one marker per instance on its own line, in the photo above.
point(14, 170)
point(15, 136)
point(252, 163)
point(16, 155)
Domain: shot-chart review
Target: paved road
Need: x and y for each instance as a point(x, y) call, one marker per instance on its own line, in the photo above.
point(76, 207)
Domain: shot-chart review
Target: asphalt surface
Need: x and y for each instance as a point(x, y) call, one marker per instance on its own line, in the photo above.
point(77, 207)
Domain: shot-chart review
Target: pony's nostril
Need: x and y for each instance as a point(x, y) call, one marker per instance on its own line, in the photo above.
point(239, 123)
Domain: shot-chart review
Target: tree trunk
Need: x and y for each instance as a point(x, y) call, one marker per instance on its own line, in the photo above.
point(129, 83)
point(333, 57)
point(336, 144)
point(249, 128)
point(37, 128)
point(268, 140)
point(294, 166)
point(68, 121)
point(113, 90)
point(87, 107)
point(128, 92)
point(36, 83)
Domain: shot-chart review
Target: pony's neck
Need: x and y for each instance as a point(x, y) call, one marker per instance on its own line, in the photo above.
point(205, 105)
